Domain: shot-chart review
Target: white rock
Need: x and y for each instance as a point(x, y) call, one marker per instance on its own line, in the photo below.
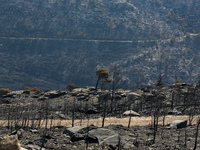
point(131, 113)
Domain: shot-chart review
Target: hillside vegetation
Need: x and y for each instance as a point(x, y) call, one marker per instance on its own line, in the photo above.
point(49, 44)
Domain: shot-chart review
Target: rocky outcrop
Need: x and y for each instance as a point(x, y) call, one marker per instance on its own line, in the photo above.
point(18, 132)
point(178, 124)
point(133, 95)
point(13, 94)
point(101, 134)
point(72, 130)
point(79, 132)
point(9, 143)
point(54, 94)
point(93, 134)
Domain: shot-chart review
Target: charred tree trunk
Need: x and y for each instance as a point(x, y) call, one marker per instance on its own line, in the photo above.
point(196, 135)
point(73, 111)
point(104, 113)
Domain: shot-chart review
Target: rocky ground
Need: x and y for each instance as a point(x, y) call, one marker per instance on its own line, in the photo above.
point(32, 116)
point(135, 137)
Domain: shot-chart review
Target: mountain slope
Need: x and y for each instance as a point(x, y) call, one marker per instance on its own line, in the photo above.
point(51, 43)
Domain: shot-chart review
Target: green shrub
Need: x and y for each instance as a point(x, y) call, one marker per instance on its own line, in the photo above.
point(34, 89)
point(4, 91)
point(47, 90)
point(27, 89)
point(71, 86)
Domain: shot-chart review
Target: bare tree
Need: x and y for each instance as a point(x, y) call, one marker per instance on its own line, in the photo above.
point(185, 137)
point(159, 82)
point(117, 82)
point(172, 101)
point(164, 114)
point(196, 135)
point(104, 99)
point(46, 110)
point(9, 117)
point(157, 104)
point(73, 111)
point(104, 112)
point(155, 124)
point(129, 122)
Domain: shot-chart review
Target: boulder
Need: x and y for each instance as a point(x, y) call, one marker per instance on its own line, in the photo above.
point(62, 116)
point(54, 94)
point(18, 132)
point(90, 88)
point(174, 112)
point(112, 141)
point(72, 130)
point(79, 132)
point(34, 131)
point(94, 135)
point(80, 90)
point(9, 143)
point(130, 113)
point(123, 95)
point(81, 98)
point(108, 137)
point(178, 124)
point(122, 91)
point(26, 92)
point(82, 94)
point(127, 143)
point(33, 147)
point(133, 95)
point(130, 145)
point(175, 84)
point(91, 111)
point(100, 134)
point(119, 92)
point(6, 101)
point(41, 98)
point(149, 141)
point(13, 93)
